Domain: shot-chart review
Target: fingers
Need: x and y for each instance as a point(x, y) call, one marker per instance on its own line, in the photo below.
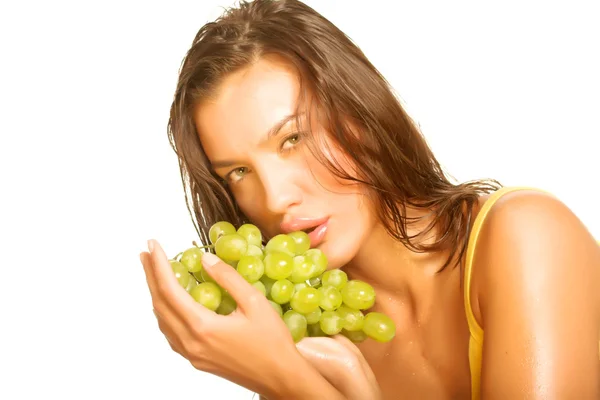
point(147, 263)
point(330, 359)
point(157, 301)
point(168, 322)
point(341, 366)
point(324, 350)
point(180, 318)
point(347, 343)
point(245, 295)
point(166, 290)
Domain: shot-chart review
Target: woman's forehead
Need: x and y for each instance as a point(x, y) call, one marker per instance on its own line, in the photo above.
point(247, 105)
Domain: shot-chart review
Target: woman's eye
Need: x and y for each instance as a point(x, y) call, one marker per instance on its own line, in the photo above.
point(237, 174)
point(291, 141)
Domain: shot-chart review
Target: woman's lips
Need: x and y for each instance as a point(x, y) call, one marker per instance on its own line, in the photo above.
point(318, 234)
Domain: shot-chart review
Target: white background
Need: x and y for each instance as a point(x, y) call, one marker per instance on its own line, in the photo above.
point(508, 91)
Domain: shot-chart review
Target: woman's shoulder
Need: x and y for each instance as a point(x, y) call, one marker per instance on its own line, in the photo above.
point(523, 216)
point(507, 196)
point(525, 235)
point(512, 210)
point(517, 218)
point(528, 225)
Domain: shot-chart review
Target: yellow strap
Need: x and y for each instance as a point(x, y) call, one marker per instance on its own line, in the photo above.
point(474, 327)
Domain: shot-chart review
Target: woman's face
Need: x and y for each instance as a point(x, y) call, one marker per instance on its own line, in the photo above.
point(252, 142)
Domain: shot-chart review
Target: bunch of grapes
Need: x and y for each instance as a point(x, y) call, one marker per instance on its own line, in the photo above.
point(311, 300)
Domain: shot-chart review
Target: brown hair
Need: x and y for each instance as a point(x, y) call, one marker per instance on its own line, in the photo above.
point(352, 98)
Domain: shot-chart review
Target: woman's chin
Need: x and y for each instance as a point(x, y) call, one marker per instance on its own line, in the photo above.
point(336, 257)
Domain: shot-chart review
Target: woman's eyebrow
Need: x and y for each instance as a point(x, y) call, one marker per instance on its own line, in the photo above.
point(271, 133)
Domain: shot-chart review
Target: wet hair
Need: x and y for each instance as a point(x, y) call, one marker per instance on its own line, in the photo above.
point(352, 101)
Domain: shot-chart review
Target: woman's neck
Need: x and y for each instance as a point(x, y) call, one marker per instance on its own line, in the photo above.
point(397, 272)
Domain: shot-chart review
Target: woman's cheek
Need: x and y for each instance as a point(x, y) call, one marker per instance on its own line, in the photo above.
point(251, 206)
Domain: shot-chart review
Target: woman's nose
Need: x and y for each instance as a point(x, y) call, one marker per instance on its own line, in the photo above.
point(281, 191)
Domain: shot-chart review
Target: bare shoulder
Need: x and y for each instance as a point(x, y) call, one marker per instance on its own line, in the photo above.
point(536, 224)
point(524, 213)
point(536, 292)
point(531, 236)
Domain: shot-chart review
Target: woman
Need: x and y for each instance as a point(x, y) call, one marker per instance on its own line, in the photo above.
point(279, 120)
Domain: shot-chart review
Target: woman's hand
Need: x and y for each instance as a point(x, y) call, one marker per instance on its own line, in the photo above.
point(342, 364)
point(251, 347)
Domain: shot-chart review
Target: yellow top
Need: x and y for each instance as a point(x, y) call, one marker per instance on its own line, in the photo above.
point(476, 338)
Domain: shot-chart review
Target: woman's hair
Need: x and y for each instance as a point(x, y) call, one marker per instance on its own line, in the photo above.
point(355, 105)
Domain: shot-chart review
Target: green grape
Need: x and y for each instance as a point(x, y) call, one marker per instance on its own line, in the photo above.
point(251, 268)
point(191, 284)
point(282, 291)
point(192, 259)
point(278, 265)
point(353, 319)
point(331, 322)
point(313, 317)
point(227, 306)
point(299, 286)
point(251, 233)
point(302, 270)
point(305, 300)
point(231, 247)
point(315, 282)
point(302, 241)
point(358, 295)
point(261, 287)
point(219, 229)
point(198, 275)
point(208, 294)
point(255, 251)
point(296, 323)
point(319, 259)
point(277, 308)
point(379, 326)
point(314, 330)
point(281, 243)
point(268, 282)
point(232, 263)
point(331, 298)
point(181, 273)
point(335, 277)
point(355, 336)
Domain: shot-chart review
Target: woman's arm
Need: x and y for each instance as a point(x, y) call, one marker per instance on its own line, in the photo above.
point(537, 284)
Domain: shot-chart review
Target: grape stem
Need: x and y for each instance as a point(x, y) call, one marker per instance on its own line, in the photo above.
point(194, 276)
point(178, 256)
point(210, 246)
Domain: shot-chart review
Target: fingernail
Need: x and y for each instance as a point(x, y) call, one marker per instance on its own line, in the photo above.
point(150, 245)
point(209, 259)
